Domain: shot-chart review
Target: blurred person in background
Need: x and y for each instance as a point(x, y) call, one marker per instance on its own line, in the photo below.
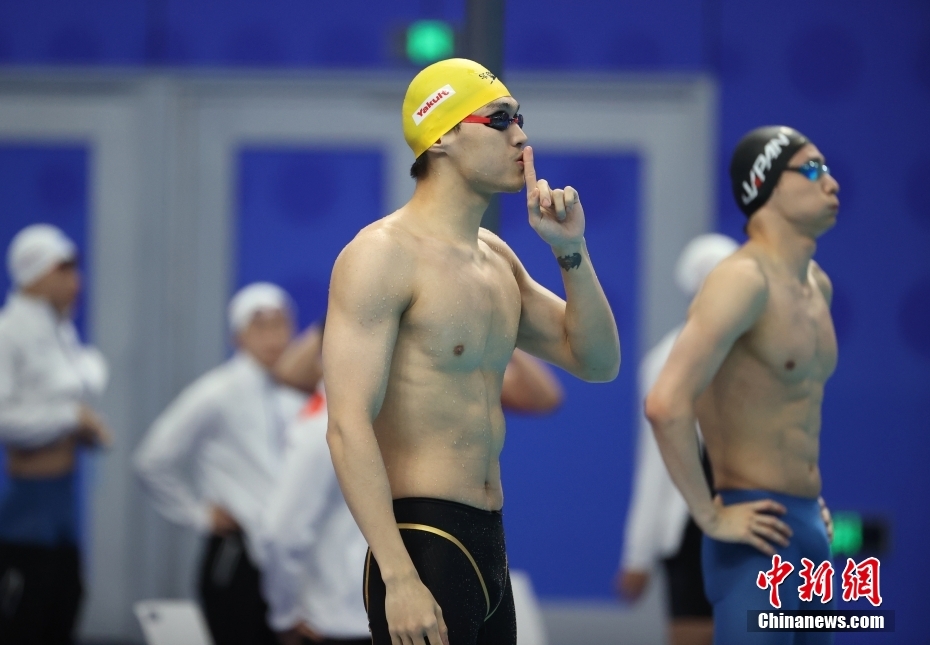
point(231, 423)
point(750, 364)
point(658, 526)
point(49, 382)
point(312, 552)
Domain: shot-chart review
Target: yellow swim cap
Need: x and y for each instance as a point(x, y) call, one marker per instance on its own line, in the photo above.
point(443, 94)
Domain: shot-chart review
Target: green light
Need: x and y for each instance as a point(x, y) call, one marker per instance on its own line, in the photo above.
point(429, 41)
point(847, 533)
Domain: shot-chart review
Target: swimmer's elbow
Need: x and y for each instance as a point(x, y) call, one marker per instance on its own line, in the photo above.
point(656, 410)
point(663, 411)
point(343, 435)
point(335, 437)
point(602, 371)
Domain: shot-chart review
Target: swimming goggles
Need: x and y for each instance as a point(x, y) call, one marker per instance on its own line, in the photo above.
point(499, 120)
point(813, 169)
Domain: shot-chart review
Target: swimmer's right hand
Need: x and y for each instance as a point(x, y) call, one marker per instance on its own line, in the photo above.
point(413, 615)
point(753, 523)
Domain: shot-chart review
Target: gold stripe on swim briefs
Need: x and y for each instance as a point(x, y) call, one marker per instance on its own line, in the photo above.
point(367, 572)
point(455, 541)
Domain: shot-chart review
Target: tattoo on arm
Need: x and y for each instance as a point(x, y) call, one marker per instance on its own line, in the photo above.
point(569, 262)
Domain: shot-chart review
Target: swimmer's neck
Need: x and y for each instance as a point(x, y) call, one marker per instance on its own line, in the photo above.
point(781, 240)
point(444, 205)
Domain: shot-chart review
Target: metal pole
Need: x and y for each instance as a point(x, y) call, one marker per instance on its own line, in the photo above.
point(483, 42)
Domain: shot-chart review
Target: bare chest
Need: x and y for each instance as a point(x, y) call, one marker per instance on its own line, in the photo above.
point(466, 313)
point(795, 335)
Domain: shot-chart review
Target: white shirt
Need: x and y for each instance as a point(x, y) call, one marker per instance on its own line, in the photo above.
point(45, 373)
point(656, 520)
point(312, 551)
point(231, 421)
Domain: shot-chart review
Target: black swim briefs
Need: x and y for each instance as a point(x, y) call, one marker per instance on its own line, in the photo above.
point(459, 554)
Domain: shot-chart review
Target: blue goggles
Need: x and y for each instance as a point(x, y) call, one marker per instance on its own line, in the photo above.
point(813, 169)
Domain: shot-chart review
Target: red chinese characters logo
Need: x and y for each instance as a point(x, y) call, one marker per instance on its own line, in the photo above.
point(772, 578)
point(861, 581)
point(817, 582)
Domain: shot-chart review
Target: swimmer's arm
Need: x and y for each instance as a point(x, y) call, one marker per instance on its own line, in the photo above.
point(578, 334)
point(369, 292)
point(365, 306)
point(730, 301)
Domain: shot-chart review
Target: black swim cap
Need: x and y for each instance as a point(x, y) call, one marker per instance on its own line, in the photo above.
point(758, 161)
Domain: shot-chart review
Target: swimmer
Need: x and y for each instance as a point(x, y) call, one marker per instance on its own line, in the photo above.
point(424, 313)
point(658, 526)
point(750, 364)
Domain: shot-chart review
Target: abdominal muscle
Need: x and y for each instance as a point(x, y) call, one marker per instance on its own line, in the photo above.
point(761, 434)
point(441, 435)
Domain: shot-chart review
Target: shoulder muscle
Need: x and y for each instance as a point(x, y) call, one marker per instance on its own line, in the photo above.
point(823, 281)
point(373, 274)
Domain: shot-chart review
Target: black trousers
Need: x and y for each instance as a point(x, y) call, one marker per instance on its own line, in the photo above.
point(684, 573)
point(40, 593)
point(459, 554)
point(230, 590)
point(686, 578)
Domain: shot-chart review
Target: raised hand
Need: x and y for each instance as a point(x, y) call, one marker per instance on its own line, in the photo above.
point(554, 213)
point(753, 523)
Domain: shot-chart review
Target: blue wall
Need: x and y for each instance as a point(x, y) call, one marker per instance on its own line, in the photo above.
point(298, 208)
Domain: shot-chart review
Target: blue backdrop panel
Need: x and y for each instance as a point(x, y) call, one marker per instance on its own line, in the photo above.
point(42, 184)
point(567, 476)
point(297, 209)
point(54, 32)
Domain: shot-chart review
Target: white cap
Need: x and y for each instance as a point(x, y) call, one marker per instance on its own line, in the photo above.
point(36, 250)
point(253, 298)
point(699, 258)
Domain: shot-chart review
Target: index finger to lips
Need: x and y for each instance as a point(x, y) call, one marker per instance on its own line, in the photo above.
point(529, 170)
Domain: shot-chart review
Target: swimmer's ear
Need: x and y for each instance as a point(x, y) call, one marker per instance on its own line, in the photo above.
point(441, 146)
